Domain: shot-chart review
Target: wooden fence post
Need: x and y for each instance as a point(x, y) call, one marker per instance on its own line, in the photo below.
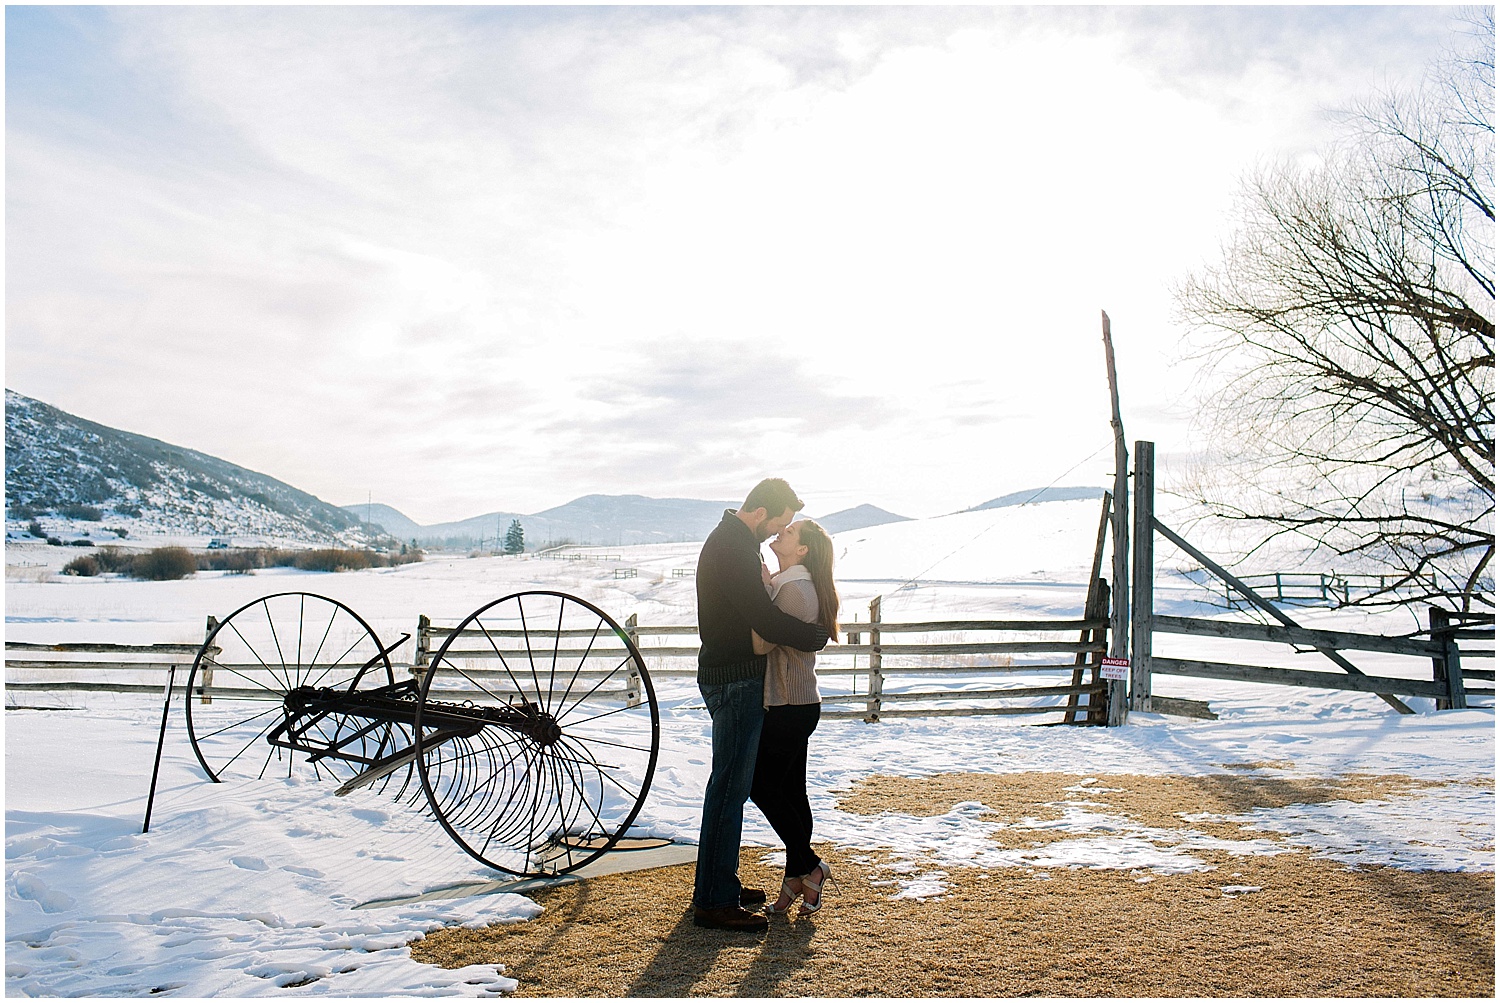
point(423, 649)
point(208, 664)
point(1101, 703)
point(1142, 570)
point(877, 681)
point(1119, 624)
point(1446, 667)
point(633, 680)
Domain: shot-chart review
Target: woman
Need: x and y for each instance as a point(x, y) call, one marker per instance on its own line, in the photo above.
point(804, 588)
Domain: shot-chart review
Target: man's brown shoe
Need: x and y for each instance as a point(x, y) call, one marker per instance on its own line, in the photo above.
point(730, 917)
point(751, 896)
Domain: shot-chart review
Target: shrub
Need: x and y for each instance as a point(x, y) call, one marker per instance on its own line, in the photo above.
point(53, 541)
point(239, 562)
point(119, 531)
point(84, 566)
point(114, 559)
point(85, 542)
point(131, 511)
point(164, 564)
point(36, 530)
point(333, 559)
point(87, 513)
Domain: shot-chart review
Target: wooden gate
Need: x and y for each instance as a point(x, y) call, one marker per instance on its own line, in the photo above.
point(1438, 646)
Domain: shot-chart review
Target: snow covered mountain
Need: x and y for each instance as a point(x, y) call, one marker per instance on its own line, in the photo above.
point(597, 520)
point(858, 517)
point(79, 478)
point(1034, 495)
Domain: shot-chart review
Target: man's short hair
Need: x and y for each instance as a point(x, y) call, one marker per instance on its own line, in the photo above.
point(774, 495)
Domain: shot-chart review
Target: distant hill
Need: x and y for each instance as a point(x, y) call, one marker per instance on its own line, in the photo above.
point(597, 520)
point(1033, 495)
point(387, 518)
point(859, 517)
point(76, 476)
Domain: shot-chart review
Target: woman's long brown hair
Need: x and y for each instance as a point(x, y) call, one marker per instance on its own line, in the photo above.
point(819, 563)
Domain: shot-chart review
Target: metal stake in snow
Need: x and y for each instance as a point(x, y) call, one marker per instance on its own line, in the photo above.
point(160, 739)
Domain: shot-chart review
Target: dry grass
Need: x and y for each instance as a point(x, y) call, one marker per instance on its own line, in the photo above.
point(1313, 927)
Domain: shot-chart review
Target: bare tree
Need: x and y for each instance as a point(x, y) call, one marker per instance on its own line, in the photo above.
point(1350, 401)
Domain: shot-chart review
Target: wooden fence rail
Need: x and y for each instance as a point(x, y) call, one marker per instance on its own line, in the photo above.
point(874, 661)
point(985, 651)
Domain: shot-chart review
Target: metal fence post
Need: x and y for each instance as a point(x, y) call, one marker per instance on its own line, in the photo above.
point(877, 681)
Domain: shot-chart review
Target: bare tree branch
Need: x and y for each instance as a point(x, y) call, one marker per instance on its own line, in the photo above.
point(1350, 394)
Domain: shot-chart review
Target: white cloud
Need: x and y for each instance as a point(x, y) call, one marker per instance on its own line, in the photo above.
point(478, 258)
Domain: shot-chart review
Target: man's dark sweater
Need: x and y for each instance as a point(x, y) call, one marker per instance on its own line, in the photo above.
point(732, 601)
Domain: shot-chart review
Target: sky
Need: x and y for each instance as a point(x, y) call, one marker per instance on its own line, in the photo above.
point(467, 259)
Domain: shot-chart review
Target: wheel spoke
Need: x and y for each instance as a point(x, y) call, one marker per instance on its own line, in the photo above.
point(251, 648)
point(587, 652)
point(281, 655)
point(605, 776)
point(531, 655)
point(602, 680)
point(313, 661)
point(596, 717)
point(602, 741)
point(339, 661)
point(273, 709)
point(252, 681)
point(556, 645)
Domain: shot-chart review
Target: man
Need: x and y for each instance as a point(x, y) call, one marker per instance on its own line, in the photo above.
point(732, 601)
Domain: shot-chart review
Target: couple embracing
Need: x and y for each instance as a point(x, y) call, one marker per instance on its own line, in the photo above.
point(759, 633)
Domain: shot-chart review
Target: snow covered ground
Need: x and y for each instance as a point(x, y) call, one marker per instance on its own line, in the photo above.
point(256, 889)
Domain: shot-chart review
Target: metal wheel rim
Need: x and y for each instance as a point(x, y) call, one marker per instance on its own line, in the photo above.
point(382, 673)
point(617, 824)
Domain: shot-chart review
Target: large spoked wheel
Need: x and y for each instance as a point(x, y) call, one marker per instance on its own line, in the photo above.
point(537, 733)
point(247, 715)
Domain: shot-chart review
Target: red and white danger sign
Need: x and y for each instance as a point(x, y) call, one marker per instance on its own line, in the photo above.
point(1117, 669)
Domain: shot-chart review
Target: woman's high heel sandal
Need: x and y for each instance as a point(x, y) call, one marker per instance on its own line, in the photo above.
point(790, 889)
point(812, 891)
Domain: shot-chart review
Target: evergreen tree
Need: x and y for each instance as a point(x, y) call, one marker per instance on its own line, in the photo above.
point(515, 538)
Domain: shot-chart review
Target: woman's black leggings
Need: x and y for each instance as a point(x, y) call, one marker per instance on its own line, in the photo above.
point(780, 786)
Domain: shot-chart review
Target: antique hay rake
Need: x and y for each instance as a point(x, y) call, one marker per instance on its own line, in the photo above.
point(534, 768)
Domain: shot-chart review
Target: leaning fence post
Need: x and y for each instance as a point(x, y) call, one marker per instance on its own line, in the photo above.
point(877, 680)
point(1119, 626)
point(633, 680)
point(1446, 667)
point(1142, 569)
point(208, 663)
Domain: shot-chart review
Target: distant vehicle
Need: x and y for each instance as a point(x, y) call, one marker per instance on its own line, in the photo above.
point(218, 543)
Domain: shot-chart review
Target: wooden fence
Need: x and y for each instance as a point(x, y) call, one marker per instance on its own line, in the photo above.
point(957, 666)
point(1438, 646)
point(1314, 588)
point(883, 669)
point(86, 667)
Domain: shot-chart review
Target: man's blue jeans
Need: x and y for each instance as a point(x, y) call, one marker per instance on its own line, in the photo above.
point(737, 714)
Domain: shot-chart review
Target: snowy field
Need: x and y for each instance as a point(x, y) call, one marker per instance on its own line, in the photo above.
point(257, 889)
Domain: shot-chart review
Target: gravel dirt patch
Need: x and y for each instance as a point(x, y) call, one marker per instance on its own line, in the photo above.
point(1288, 924)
